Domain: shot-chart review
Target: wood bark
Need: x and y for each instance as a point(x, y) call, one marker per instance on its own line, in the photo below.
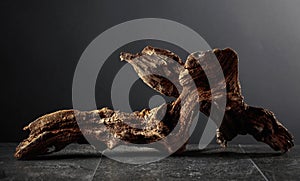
point(54, 131)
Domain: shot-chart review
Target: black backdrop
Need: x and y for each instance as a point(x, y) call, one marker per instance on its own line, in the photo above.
point(42, 41)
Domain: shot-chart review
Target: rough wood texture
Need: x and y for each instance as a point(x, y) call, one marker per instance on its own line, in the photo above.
point(239, 117)
point(58, 129)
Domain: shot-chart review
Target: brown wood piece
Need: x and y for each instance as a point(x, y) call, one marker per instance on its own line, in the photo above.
point(52, 132)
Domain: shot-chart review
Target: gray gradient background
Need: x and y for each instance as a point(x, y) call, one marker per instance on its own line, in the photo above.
point(42, 41)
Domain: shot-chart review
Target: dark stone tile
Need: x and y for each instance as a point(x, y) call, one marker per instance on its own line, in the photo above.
point(78, 162)
point(74, 162)
point(275, 165)
point(209, 164)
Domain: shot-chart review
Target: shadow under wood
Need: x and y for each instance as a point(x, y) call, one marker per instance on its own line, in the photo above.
point(209, 152)
point(227, 154)
point(64, 156)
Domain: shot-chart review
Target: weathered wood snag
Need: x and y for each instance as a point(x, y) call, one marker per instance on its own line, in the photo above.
point(58, 129)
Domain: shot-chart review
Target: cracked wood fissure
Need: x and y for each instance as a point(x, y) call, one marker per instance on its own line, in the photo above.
point(61, 128)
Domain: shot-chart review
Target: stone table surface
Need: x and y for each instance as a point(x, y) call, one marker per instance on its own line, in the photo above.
point(82, 162)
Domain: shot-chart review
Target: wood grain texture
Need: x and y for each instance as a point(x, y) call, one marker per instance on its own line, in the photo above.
point(54, 131)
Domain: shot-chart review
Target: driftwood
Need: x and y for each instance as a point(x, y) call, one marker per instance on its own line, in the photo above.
point(58, 129)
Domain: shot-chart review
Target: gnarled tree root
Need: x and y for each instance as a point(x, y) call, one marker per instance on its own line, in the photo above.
point(54, 131)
